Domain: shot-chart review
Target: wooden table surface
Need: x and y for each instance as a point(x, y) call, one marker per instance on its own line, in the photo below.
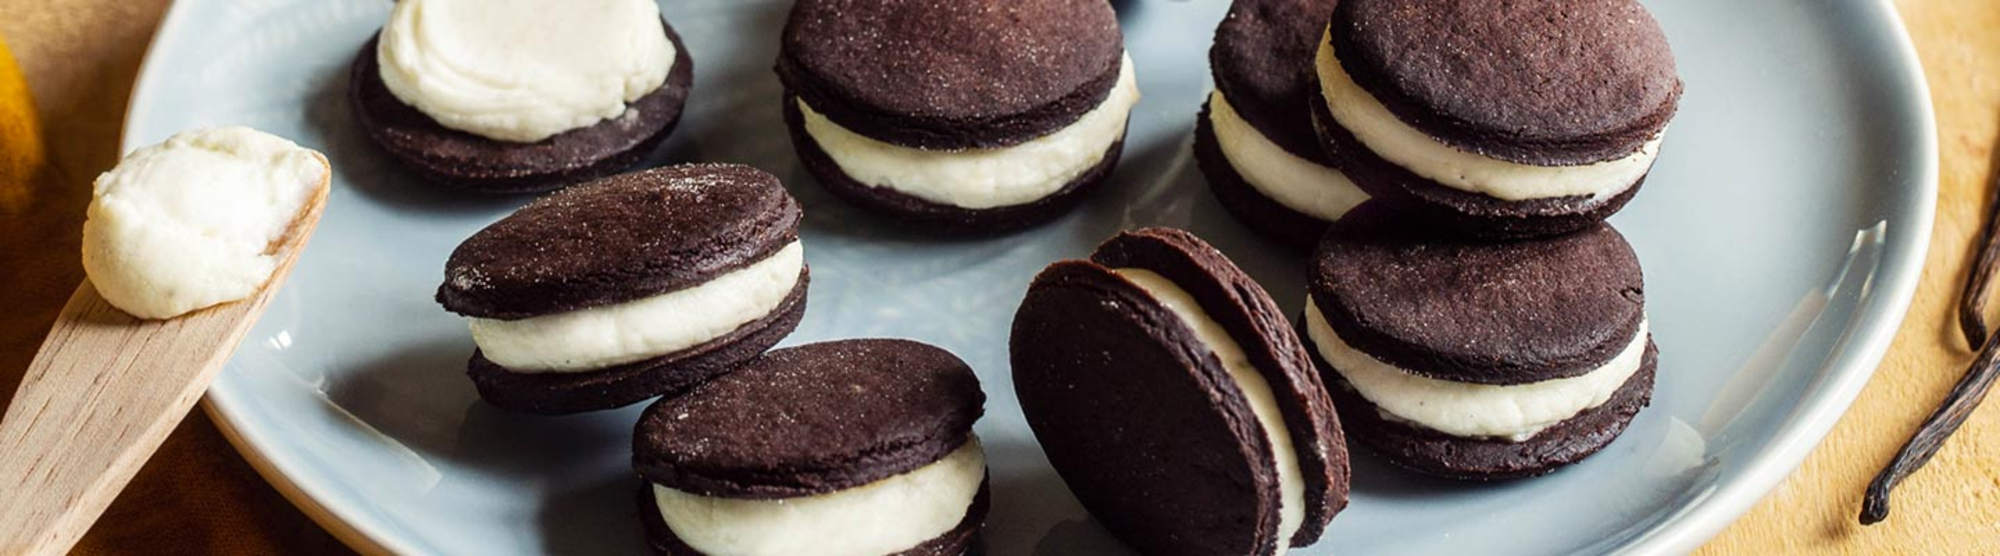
point(197, 497)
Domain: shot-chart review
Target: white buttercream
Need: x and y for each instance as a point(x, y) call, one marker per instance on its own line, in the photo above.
point(600, 337)
point(1256, 391)
point(1514, 412)
point(884, 517)
point(523, 70)
point(1297, 183)
point(196, 221)
point(1382, 132)
point(982, 178)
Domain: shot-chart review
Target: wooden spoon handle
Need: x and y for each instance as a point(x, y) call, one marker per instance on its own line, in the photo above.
point(100, 397)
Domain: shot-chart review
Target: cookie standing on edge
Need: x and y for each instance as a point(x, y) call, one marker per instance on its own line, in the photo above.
point(506, 97)
point(1176, 402)
point(1475, 359)
point(1255, 140)
point(970, 115)
point(846, 448)
point(1535, 118)
point(629, 287)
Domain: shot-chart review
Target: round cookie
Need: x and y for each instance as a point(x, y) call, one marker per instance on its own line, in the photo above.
point(1536, 119)
point(1467, 310)
point(1539, 82)
point(1262, 65)
point(814, 428)
point(1421, 336)
point(951, 74)
point(960, 116)
point(1167, 390)
point(486, 165)
point(710, 250)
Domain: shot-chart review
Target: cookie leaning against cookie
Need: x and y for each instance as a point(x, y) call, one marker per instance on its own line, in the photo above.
point(1255, 141)
point(629, 287)
point(1478, 359)
point(1530, 118)
point(1174, 399)
point(962, 115)
point(515, 96)
point(845, 448)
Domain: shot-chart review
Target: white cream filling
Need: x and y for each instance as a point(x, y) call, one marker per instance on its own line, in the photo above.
point(1382, 132)
point(523, 70)
point(1514, 412)
point(1299, 184)
point(600, 337)
point(196, 221)
point(1256, 391)
point(884, 517)
point(982, 178)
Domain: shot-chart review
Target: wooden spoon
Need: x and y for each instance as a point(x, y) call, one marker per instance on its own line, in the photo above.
point(103, 393)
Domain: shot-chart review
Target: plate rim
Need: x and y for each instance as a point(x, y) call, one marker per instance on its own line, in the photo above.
point(1848, 369)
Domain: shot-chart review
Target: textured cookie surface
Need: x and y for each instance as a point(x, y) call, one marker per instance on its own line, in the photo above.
point(621, 238)
point(1439, 305)
point(811, 419)
point(1262, 58)
point(1143, 428)
point(949, 74)
point(482, 164)
point(1142, 421)
point(1545, 82)
point(1241, 306)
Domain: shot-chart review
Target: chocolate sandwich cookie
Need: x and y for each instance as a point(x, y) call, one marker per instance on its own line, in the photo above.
point(629, 287)
point(1478, 359)
point(965, 115)
point(1255, 140)
point(445, 118)
point(1524, 119)
point(1175, 401)
point(853, 447)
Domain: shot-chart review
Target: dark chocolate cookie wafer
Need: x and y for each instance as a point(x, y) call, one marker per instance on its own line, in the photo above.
point(612, 246)
point(1144, 421)
point(1539, 82)
point(951, 74)
point(488, 165)
point(1262, 61)
point(818, 420)
point(621, 238)
point(1464, 310)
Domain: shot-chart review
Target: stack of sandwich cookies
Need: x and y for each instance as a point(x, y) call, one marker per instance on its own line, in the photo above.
point(1255, 140)
point(1478, 359)
point(970, 115)
point(847, 448)
point(1524, 119)
point(629, 287)
point(518, 96)
point(1175, 401)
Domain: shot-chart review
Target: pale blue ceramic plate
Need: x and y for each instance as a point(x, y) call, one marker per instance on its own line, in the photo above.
point(1782, 235)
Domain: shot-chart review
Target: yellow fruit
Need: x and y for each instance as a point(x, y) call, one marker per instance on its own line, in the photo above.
point(21, 149)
